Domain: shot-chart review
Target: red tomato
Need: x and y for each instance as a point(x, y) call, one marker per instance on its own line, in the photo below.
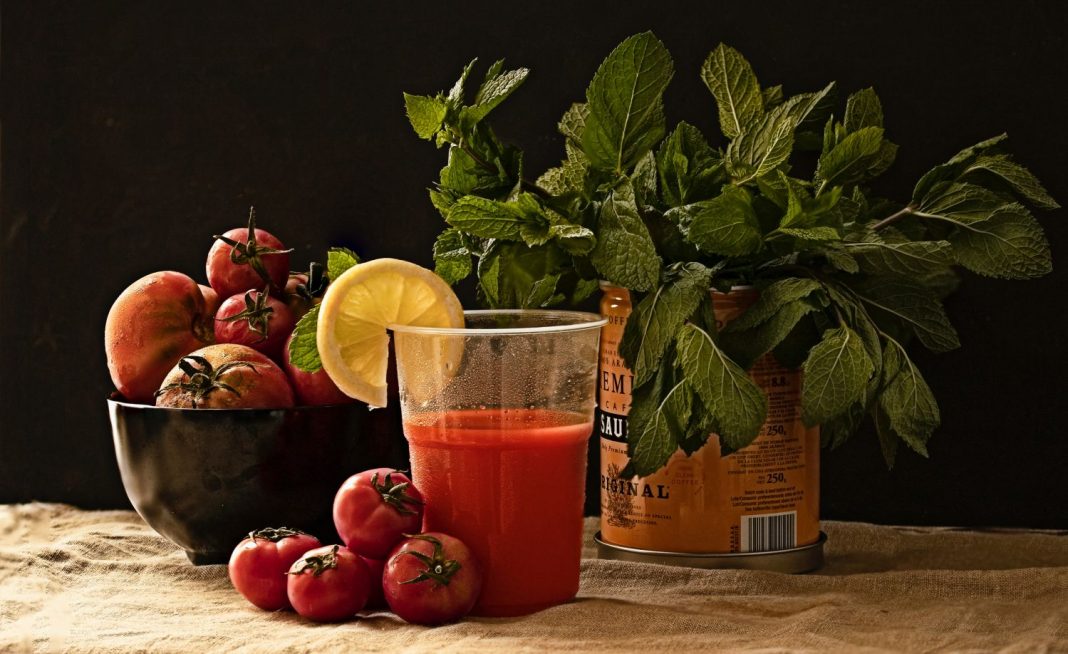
point(238, 262)
point(225, 376)
point(312, 388)
point(329, 584)
point(154, 322)
point(257, 320)
point(374, 509)
point(259, 565)
point(432, 578)
point(377, 600)
point(211, 299)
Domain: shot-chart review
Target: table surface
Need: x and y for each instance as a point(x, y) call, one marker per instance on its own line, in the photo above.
point(102, 581)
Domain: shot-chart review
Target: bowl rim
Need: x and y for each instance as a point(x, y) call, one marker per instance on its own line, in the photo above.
point(116, 399)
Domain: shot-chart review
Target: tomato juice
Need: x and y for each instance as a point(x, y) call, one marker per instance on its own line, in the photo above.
point(510, 483)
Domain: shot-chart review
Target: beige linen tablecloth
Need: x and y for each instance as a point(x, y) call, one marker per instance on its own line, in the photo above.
point(83, 581)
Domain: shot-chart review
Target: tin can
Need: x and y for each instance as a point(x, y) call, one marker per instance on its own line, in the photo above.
point(709, 510)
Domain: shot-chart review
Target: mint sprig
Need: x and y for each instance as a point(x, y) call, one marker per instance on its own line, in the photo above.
point(303, 350)
point(846, 278)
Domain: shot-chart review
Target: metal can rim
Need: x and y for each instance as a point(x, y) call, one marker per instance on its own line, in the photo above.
point(805, 558)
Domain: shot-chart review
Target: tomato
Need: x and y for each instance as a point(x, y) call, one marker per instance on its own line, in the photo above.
point(211, 299)
point(225, 376)
point(432, 578)
point(257, 320)
point(312, 388)
point(259, 565)
point(376, 600)
point(238, 261)
point(328, 584)
point(375, 508)
point(154, 322)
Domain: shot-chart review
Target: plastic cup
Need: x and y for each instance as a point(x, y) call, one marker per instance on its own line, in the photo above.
point(497, 415)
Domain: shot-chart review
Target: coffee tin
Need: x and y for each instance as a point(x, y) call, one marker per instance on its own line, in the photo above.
point(756, 508)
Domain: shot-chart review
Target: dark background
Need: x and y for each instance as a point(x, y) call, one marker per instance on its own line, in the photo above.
point(133, 131)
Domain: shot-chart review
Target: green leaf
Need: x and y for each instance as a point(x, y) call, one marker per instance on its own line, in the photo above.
point(731, 80)
point(657, 318)
point(888, 440)
point(863, 109)
point(690, 170)
point(625, 254)
point(514, 275)
point(576, 239)
point(725, 225)
point(837, 371)
point(772, 96)
point(493, 92)
point(771, 299)
point(816, 234)
point(912, 304)
point(338, 260)
point(644, 181)
point(1017, 177)
point(452, 258)
point(952, 168)
point(746, 347)
point(765, 146)
point(425, 114)
point(736, 404)
point(625, 98)
point(569, 176)
point(303, 352)
point(573, 123)
point(658, 414)
point(991, 238)
point(850, 160)
point(457, 92)
point(486, 218)
point(908, 402)
point(1009, 244)
point(907, 259)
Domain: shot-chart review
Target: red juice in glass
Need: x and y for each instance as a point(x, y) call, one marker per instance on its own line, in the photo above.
point(510, 483)
point(497, 415)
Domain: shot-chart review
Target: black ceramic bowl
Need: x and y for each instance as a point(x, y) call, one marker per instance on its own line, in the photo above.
point(205, 478)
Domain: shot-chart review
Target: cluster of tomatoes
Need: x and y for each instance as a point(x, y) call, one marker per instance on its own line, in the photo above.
point(177, 343)
point(427, 578)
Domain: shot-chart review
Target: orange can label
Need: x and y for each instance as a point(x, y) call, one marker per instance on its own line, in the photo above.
point(762, 498)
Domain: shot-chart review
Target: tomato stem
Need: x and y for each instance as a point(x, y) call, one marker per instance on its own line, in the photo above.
point(395, 495)
point(317, 564)
point(250, 252)
point(438, 568)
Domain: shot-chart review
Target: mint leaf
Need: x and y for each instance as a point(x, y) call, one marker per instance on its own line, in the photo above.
point(763, 147)
point(908, 258)
point(425, 114)
point(772, 298)
point(625, 254)
point(338, 260)
point(625, 100)
point(956, 164)
point(725, 225)
point(1009, 244)
point(452, 258)
point(514, 275)
point(849, 161)
point(820, 234)
point(837, 371)
point(689, 169)
point(657, 318)
point(303, 352)
point(992, 238)
point(863, 109)
point(659, 413)
point(746, 347)
point(736, 404)
point(576, 239)
point(458, 90)
point(643, 179)
point(569, 176)
point(1018, 178)
point(910, 407)
point(731, 80)
point(772, 96)
point(912, 304)
point(573, 123)
point(485, 218)
point(492, 93)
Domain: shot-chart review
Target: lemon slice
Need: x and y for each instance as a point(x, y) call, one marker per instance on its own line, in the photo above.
point(358, 307)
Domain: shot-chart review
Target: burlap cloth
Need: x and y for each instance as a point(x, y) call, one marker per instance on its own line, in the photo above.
point(74, 580)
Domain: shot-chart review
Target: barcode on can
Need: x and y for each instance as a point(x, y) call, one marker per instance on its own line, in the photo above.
point(769, 532)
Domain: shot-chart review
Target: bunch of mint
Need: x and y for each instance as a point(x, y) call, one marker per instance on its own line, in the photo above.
point(846, 279)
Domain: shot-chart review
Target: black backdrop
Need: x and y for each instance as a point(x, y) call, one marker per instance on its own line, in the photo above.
point(132, 131)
